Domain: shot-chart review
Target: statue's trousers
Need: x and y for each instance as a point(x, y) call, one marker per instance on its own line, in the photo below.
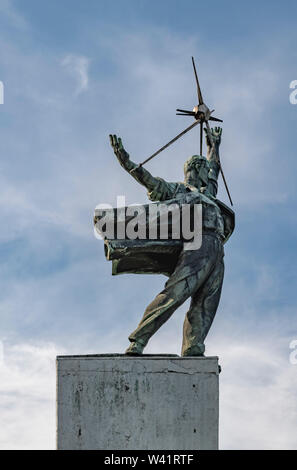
point(198, 274)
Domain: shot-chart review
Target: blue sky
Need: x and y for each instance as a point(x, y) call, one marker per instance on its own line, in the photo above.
point(75, 71)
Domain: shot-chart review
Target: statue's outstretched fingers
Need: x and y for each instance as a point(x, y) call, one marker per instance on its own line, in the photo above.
point(115, 141)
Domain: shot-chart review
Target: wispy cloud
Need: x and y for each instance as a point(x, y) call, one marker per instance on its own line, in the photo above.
point(8, 9)
point(78, 66)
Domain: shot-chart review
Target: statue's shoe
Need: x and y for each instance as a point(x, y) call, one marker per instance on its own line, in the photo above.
point(195, 350)
point(135, 349)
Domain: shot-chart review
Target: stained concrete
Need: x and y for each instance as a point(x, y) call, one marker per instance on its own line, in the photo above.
point(143, 403)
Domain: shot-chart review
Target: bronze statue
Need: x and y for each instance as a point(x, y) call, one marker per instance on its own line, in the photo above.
point(195, 273)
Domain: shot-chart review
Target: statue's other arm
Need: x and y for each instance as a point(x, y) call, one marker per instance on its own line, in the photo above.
point(213, 158)
point(158, 189)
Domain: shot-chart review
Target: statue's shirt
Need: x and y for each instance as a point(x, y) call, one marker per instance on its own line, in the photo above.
point(186, 194)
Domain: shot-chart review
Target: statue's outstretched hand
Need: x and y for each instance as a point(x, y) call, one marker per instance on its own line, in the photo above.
point(120, 152)
point(216, 134)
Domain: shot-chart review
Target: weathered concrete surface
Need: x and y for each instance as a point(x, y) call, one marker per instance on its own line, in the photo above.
point(149, 403)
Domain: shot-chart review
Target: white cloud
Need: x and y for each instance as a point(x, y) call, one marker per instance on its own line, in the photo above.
point(257, 394)
point(27, 392)
point(78, 66)
point(258, 404)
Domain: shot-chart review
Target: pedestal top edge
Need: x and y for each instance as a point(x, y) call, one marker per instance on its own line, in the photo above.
point(128, 357)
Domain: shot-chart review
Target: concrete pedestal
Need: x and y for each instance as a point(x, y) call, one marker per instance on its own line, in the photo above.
point(118, 402)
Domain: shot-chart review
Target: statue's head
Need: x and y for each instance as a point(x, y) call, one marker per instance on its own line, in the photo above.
point(196, 170)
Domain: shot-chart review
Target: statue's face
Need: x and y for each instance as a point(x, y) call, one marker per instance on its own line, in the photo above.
point(191, 175)
point(196, 174)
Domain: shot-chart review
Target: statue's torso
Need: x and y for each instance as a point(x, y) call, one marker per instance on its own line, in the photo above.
point(212, 218)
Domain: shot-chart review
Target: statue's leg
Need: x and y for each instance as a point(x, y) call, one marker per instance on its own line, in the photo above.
point(181, 285)
point(202, 311)
point(161, 308)
point(192, 270)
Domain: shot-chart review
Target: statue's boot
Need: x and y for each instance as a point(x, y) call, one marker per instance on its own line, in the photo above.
point(194, 350)
point(135, 348)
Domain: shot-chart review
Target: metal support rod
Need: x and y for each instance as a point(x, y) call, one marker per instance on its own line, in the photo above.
point(167, 145)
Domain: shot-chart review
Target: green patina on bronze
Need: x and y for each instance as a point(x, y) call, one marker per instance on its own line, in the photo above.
point(192, 273)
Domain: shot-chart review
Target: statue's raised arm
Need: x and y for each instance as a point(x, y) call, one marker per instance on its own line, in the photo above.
point(158, 189)
point(213, 142)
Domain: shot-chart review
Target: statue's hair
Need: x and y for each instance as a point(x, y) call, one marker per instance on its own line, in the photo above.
point(194, 161)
